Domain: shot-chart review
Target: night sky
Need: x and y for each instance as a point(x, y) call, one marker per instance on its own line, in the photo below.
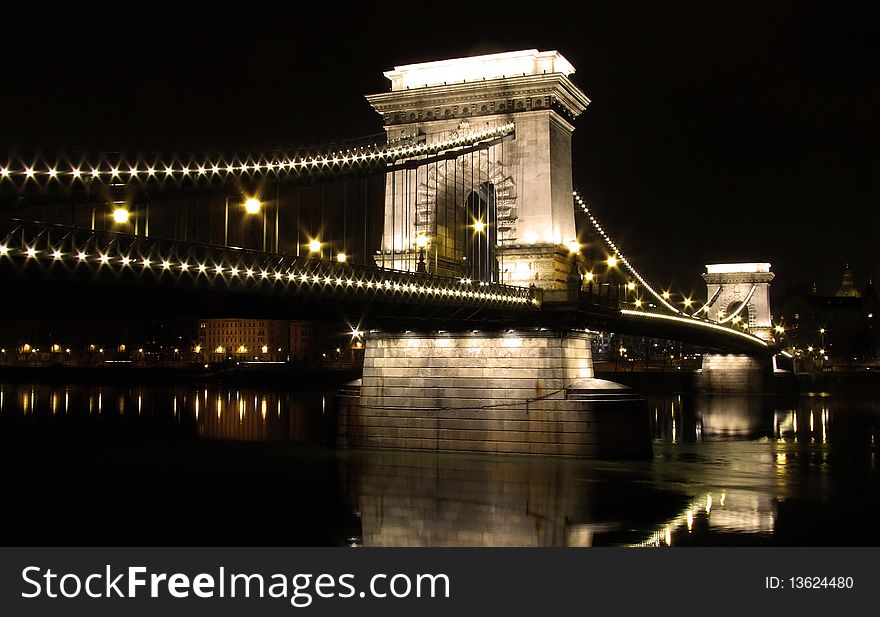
point(715, 133)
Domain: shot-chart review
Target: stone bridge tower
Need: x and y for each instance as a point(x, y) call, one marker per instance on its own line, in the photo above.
point(729, 286)
point(525, 182)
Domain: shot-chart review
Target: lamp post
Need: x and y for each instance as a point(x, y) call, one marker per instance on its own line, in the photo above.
point(422, 243)
point(226, 221)
point(252, 205)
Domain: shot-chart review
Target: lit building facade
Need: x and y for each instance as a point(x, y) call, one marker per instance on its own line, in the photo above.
point(244, 339)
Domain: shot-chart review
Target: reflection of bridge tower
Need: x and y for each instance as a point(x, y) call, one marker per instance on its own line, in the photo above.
point(516, 192)
point(740, 292)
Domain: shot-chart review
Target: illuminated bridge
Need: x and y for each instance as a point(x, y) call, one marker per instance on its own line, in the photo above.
point(458, 237)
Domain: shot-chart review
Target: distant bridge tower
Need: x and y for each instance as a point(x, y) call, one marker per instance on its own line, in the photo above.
point(518, 193)
point(740, 292)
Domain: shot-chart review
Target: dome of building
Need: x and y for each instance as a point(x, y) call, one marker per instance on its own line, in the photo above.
point(847, 287)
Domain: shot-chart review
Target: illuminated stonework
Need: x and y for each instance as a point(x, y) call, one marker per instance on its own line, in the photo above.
point(525, 179)
point(741, 292)
point(515, 392)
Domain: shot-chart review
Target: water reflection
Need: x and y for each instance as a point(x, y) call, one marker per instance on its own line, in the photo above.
point(238, 414)
point(409, 499)
point(727, 470)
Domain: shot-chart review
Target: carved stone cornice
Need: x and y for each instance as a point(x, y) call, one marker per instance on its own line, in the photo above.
point(744, 278)
point(509, 95)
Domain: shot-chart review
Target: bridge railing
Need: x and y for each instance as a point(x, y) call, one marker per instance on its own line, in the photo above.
point(69, 250)
point(651, 311)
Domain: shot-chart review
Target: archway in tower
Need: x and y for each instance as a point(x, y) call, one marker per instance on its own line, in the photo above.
point(743, 315)
point(480, 231)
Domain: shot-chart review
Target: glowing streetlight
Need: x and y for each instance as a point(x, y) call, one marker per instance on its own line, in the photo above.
point(631, 285)
point(479, 226)
point(666, 295)
point(573, 246)
point(252, 205)
point(315, 246)
point(589, 276)
point(612, 262)
point(341, 257)
point(688, 302)
point(780, 329)
point(422, 244)
point(120, 215)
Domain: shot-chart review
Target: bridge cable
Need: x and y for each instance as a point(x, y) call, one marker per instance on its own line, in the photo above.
point(620, 256)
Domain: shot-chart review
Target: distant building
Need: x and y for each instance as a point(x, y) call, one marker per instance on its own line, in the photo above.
point(847, 287)
point(244, 339)
point(268, 340)
point(843, 324)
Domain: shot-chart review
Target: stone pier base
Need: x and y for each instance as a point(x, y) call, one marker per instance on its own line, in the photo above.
point(523, 392)
point(734, 374)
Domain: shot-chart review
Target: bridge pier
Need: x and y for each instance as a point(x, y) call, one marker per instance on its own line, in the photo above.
point(735, 373)
point(518, 392)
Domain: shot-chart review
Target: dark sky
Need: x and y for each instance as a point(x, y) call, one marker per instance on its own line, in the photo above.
point(716, 132)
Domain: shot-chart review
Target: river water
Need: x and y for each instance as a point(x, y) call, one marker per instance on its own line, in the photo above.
point(221, 465)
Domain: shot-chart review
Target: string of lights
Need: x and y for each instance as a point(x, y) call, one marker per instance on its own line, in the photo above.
point(695, 322)
point(117, 170)
point(618, 254)
point(225, 265)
